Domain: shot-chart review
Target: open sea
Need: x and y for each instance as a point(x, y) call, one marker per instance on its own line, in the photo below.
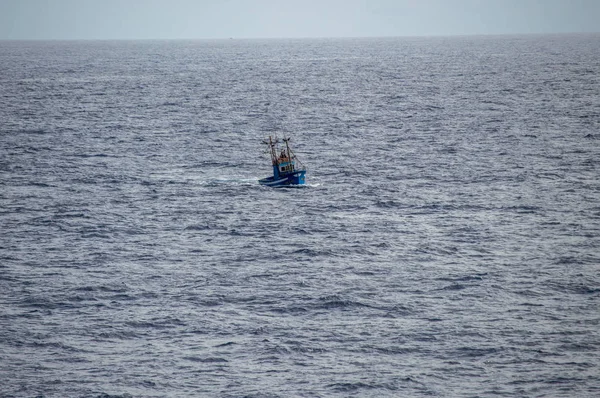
point(447, 243)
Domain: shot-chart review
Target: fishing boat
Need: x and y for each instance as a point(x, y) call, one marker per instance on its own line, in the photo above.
point(287, 169)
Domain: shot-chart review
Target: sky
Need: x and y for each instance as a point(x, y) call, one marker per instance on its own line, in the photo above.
point(209, 19)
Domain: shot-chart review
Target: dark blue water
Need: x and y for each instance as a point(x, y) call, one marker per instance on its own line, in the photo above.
point(448, 243)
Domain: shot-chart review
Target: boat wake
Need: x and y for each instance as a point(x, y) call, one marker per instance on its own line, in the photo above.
point(232, 180)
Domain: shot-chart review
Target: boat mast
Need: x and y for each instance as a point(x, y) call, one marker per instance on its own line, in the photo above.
point(273, 154)
point(287, 147)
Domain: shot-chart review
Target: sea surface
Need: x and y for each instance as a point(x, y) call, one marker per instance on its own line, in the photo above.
point(447, 243)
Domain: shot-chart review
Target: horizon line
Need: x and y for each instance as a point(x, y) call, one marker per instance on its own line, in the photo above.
point(305, 37)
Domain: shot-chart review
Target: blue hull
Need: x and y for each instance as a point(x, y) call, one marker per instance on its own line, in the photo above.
point(297, 178)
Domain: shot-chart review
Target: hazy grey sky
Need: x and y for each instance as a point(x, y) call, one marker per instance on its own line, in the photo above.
point(176, 19)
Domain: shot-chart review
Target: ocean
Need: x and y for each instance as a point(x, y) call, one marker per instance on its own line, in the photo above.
point(447, 242)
